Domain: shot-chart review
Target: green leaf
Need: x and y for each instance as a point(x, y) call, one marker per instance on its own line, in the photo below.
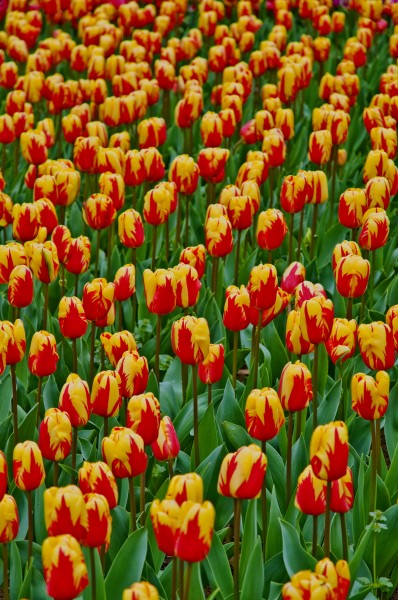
point(196, 588)
point(15, 571)
point(391, 421)
point(217, 563)
point(363, 543)
point(99, 577)
point(274, 533)
point(50, 393)
point(208, 435)
point(249, 537)
point(253, 580)
point(6, 394)
point(229, 409)
point(128, 564)
point(386, 544)
point(236, 435)
point(295, 557)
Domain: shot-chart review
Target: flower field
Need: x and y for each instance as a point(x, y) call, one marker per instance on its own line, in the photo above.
point(198, 300)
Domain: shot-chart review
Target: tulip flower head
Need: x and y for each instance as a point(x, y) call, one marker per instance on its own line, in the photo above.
point(370, 395)
point(55, 435)
point(187, 487)
point(242, 473)
point(28, 466)
point(9, 519)
point(43, 356)
point(65, 571)
point(329, 451)
point(166, 446)
point(74, 400)
point(65, 511)
point(124, 452)
point(195, 533)
point(376, 344)
point(98, 478)
point(295, 386)
point(190, 339)
point(210, 370)
point(264, 414)
point(311, 493)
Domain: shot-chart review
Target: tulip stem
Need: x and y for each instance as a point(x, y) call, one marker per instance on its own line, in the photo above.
point(373, 485)
point(106, 426)
point(45, 311)
point(256, 348)
point(56, 473)
point(315, 389)
point(14, 402)
point(378, 445)
point(174, 580)
point(181, 577)
point(92, 352)
point(167, 240)
point(209, 394)
point(195, 414)
point(289, 458)
point(38, 400)
point(187, 584)
point(235, 359)
point(3, 159)
point(142, 498)
point(300, 234)
point(291, 228)
point(186, 220)
point(93, 575)
point(271, 187)
point(76, 283)
point(132, 505)
point(372, 276)
point(314, 534)
point(214, 274)
point(109, 250)
point(299, 423)
point(74, 355)
point(5, 571)
point(264, 504)
point(171, 468)
point(74, 448)
point(30, 527)
point(158, 326)
point(333, 190)
point(344, 536)
point(237, 507)
point(237, 256)
point(349, 309)
point(154, 236)
point(313, 230)
point(327, 519)
point(178, 226)
point(97, 249)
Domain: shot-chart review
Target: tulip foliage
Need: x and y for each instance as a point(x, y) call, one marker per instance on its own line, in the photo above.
point(198, 299)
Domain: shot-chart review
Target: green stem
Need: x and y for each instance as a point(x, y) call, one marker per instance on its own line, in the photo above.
point(378, 445)
point(195, 413)
point(327, 519)
point(171, 468)
point(315, 389)
point(299, 423)
point(373, 485)
point(235, 358)
point(30, 527)
point(187, 584)
point(74, 449)
point(3, 159)
point(184, 382)
point(237, 253)
point(92, 352)
point(178, 226)
point(76, 283)
point(93, 575)
point(181, 577)
point(209, 394)
point(264, 505)
point(257, 347)
point(38, 400)
point(237, 507)
point(109, 250)
point(174, 580)
point(97, 249)
point(154, 236)
point(333, 190)
point(167, 240)
point(289, 458)
point(313, 230)
point(56, 474)
point(372, 276)
point(291, 227)
point(214, 274)
point(349, 309)
point(142, 499)
point(158, 326)
point(344, 538)
point(106, 426)
point(14, 402)
point(314, 534)
point(186, 220)
point(300, 234)
point(6, 592)
point(45, 310)
point(132, 505)
point(74, 355)
point(271, 187)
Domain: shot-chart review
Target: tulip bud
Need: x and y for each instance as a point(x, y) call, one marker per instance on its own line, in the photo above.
point(352, 206)
point(143, 416)
point(55, 435)
point(211, 163)
point(166, 520)
point(375, 229)
point(352, 276)
point(210, 370)
point(271, 229)
point(43, 356)
point(71, 317)
point(97, 478)
point(316, 319)
point(377, 192)
point(74, 399)
point(236, 308)
point(9, 519)
point(320, 146)
point(184, 172)
point(160, 289)
point(264, 414)
point(27, 464)
point(99, 520)
point(20, 287)
point(124, 452)
point(99, 211)
point(263, 286)
point(342, 341)
point(274, 145)
point(115, 345)
point(135, 172)
point(242, 473)
point(307, 290)
point(370, 395)
point(294, 193)
point(11, 255)
point(133, 371)
point(43, 261)
point(329, 451)
point(65, 511)
point(295, 386)
point(124, 282)
point(196, 531)
point(190, 339)
point(344, 249)
point(166, 446)
point(295, 341)
point(106, 397)
point(65, 571)
point(153, 164)
point(342, 493)
point(196, 257)
point(131, 229)
point(311, 493)
point(112, 185)
point(293, 275)
point(25, 222)
point(376, 344)
point(97, 298)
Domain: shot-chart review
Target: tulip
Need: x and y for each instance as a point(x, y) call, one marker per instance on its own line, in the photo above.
point(72, 318)
point(43, 356)
point(65, 571)
point(106, 397)
point(124, 283)
point(97, 478)
point(166, 446)
point(295, 341)
point(342, 341)
point(293, 275)
point(190, 339)
point(166, 520)
point(141, 591)
point(115, 345)
point(352, 276)
point(20, 287)
point(55, 437)
point(344, 249)
point(133, 372)
point(143, 416)
point(342, 496)
point(219, 241)
point(320, 146)
point(271, 229)
point(295, 387)
point(369, 395)
point(131, 229)
point(352, 207)
point(376, 344)
point(211, 163)
point(33, 147)
point(112, 185)
point(153, 164)
point(195, 533)
point(125, 454)
point(375, 229)
point(210, 370)
point(187, 487)
point(310, 495)
point(377, 192)
point(65, 511)
point(99, 519)
point(11, 255)
point(9, 519)
point(392, 322)
point(196, 257)
point(188, 285)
